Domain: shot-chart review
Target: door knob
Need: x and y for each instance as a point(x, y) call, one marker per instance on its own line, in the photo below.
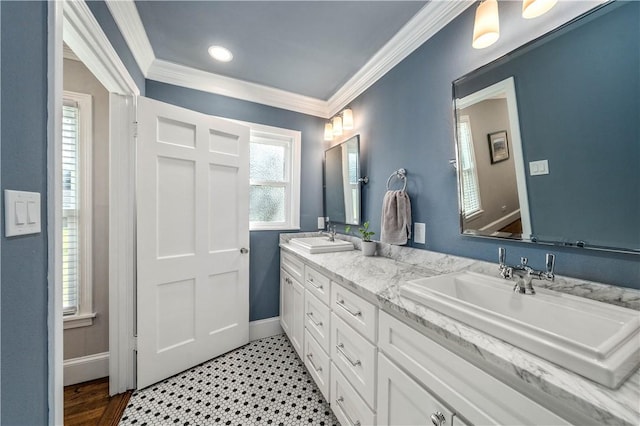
point(244, 250)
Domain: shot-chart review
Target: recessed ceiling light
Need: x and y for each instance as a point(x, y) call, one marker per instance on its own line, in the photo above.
point(220, 53)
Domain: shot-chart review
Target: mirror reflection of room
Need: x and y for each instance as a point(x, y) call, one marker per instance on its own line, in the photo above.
point(342, 182)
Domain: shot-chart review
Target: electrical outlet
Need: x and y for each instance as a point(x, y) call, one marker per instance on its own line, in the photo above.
point(419, 233)
point(320, 222)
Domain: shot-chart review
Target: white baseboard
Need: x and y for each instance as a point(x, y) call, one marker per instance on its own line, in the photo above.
point(83, 369)
point(264, 328)
point(502, 221)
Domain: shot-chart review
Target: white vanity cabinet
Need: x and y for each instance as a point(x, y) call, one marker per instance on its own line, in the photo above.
point(292, 300)
point(416, 376)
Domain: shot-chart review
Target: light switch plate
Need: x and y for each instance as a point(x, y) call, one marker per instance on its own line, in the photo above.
point(419, 233)
point(320, 222)
point(21, 213)
point(540, 167)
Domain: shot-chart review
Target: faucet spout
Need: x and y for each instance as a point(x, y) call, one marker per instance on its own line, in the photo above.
point(524, 273)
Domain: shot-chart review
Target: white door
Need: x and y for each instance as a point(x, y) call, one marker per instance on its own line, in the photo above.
point(192, 239)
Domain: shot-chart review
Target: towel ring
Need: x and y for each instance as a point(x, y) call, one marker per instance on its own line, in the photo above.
point(398, 174)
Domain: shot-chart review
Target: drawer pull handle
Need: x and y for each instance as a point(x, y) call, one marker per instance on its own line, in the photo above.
point(341, 303)
point(316, 323)
point(310, 358)
point(438, 419)
point(310, 281)
point(340, 401)
point(340, 348)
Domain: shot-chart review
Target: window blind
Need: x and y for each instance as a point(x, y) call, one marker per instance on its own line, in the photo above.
point(70, 208)
point(470, 188)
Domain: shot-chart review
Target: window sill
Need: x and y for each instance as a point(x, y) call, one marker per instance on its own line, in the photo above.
point(474, 215)
point(278, 227)
point(77, 321)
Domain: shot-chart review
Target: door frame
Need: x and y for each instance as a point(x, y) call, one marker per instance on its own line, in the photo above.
point(73, 22)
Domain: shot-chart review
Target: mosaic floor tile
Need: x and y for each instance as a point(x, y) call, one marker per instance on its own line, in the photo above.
point(262, 383)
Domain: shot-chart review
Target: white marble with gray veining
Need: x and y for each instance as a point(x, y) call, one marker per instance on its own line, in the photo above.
point(378, 279)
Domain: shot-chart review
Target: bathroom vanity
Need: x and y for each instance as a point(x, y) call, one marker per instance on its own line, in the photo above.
point(381, 358)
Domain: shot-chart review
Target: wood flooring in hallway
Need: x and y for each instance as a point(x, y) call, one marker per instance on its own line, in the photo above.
point(89, 403)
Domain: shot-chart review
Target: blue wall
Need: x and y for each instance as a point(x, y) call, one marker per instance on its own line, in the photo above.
point(406, 120)
point(264, 266)
point(23, 360)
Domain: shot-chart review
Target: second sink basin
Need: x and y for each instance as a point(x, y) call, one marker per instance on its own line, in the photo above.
point(594, 339)
point(321, 244)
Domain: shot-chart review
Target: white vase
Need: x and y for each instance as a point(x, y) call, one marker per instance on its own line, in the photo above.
point(368, 248)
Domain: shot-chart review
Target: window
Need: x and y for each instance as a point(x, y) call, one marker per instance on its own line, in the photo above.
point(76, 210)
point(471, 205)
point(274, 174)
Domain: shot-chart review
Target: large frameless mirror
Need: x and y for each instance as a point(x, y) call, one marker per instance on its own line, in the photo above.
point(548, 137)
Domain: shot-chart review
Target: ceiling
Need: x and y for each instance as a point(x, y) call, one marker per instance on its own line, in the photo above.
point(310, 48)
point(312, 57)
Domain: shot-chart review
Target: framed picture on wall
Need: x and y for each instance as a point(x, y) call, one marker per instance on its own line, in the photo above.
point(498, 146)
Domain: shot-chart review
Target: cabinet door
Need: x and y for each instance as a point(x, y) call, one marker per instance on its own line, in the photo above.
point(401, 401)
point(297, 317)
point(286, 301)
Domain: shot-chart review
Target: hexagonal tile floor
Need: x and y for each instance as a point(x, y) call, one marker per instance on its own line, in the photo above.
point(262, 383)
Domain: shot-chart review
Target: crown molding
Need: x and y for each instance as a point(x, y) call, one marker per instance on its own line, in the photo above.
point(180, 75)
point(67, 53)
point(427, 22)
point(126, 15)
point(424, 25)
point(83, 34)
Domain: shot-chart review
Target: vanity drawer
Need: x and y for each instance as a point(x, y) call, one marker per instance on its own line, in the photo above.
point(355, 357)
point(317, 320)
point(318, 364)
point(348, 407)
point(355, 311)
point(292, 265)
point(317, 284)
point(477, 396)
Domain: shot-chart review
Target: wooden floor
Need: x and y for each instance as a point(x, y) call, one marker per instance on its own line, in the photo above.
point(89, 403)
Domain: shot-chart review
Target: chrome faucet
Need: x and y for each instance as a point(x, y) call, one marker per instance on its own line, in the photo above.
point(524, 273)
point(331, 231)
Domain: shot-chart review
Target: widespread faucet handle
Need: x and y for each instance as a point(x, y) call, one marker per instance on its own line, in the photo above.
point(550, 262)
point(502, 255)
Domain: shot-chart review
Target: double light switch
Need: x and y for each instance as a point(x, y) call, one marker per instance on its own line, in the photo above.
point(21, 212)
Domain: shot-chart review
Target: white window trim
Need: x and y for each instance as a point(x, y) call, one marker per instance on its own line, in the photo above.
point(476, 213)
point(294, 139)
point(85, 315)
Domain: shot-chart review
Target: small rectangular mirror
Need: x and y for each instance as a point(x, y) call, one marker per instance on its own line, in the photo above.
point(342, 182)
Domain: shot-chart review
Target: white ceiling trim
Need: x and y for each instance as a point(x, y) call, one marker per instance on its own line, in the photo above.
point(180, 75)
point(125, 13)
point(424, 25)
point(427, 22)
point(83, 34)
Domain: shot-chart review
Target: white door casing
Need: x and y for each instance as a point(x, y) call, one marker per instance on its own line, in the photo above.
point(192, 224)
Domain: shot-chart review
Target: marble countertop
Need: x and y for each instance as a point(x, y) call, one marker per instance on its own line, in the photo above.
point(378, 279)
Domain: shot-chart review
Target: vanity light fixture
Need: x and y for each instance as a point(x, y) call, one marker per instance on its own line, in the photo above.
point(486, 27)
point(220, 53)
point(337, 125)
point(339, 122)
point(328, 131)
point(535, 8)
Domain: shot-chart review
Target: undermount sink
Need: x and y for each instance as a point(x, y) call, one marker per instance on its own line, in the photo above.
point(593, 339)
point(321, 244)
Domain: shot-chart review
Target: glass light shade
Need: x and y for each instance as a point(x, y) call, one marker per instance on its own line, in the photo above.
point(328, 132)
point(347, 119)
point(486, 28)
point(337, 125)
point(535, 8)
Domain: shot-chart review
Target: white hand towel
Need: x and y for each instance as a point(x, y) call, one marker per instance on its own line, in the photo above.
point(396, 218)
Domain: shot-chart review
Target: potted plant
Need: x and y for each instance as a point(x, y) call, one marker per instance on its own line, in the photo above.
point(368, 246)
